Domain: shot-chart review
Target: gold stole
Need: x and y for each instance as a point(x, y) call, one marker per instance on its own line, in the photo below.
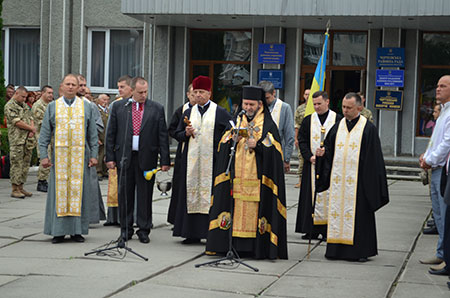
point(276, 112)
point(246, 185)
point(321, 207)
point(343, 183)
point(69, 156)
point(199, 173)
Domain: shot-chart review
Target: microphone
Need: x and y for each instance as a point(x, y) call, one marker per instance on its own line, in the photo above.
point(128, 102)
point(242, 113)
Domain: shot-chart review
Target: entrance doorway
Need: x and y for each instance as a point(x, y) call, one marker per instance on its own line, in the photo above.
point(342, 82)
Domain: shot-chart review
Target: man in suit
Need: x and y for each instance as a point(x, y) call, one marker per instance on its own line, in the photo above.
point(139, 143)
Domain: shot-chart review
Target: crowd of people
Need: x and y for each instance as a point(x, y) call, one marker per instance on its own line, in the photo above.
point(342, 173)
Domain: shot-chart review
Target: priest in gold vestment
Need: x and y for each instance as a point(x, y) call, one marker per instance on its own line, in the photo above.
point(71, 121)
point(354, 173)
point(258, 220)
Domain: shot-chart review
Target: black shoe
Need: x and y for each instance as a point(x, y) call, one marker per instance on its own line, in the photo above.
point(58, 239)
point(144, 238)
point(439, 272)
point(448, 285)
point(190, 241)
point(42, 186)
point(431, 222)
point(430, 231)
point(77, 238)
point(314, 236)
point(100, 178)
point(363, 260)
point(107, 224)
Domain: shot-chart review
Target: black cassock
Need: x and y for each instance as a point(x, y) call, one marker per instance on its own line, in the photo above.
point(304, 223)
point(174, 121)
point(193, 225)
point(372, 192)
point(269, 163)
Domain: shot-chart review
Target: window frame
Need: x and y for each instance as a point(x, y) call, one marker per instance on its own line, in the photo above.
point(420, 69)
point(6, 55)
point(107, 31)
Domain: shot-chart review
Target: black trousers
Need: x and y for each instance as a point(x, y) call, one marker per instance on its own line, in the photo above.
point(132, 182)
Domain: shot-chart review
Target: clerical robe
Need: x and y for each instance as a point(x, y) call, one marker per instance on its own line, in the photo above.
point(259, 209)
point(354, 172)
point(193, 198)
point(308, 141)
point(177, 175)
point(69, 225)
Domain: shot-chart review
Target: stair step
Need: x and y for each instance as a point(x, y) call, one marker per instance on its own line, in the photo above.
point(403, 177)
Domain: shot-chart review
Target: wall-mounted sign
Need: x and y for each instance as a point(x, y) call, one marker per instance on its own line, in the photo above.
point(388, 100)
point(390, 78)
point(276, 76)
point(271, 53)
point(391, 57)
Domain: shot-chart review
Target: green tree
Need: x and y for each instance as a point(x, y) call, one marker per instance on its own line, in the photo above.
point(3, 131)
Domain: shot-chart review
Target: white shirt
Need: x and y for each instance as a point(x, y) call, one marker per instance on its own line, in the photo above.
point(439, 146)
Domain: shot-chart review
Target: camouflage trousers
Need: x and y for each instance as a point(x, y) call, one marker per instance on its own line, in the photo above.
point(101, 165)
point(44, 172)
point(20, 158)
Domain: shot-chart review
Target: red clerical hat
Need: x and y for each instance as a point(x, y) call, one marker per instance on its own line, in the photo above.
point(201, 82)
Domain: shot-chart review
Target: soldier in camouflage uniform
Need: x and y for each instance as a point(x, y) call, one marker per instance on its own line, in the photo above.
point(298, 119)
point(102, 105)
point(38, 111)
point(21, 135)
point(365, 112)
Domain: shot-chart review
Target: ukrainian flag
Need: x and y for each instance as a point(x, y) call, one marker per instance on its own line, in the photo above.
point(318, 82)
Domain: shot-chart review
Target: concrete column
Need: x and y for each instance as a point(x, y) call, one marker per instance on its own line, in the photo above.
point(45, 43)
point(374, 42)
point(180, 72)
point(292, 67)
point(274, 35)
point(257, 38)
point(388, 122)
point(160, 82)
point(409, 111)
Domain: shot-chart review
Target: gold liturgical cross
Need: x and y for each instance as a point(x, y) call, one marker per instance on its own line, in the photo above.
point(340, 145)
point(353, 146)
point(251, 129)
point(336, 179)
point(350, 180)
point(348, 216)
point(334, 214)
point(316, 137)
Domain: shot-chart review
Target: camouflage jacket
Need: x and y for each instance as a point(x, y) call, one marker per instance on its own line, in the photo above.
point(368, 114)
point(38, 111)
point(299, 115)
point(15, 112)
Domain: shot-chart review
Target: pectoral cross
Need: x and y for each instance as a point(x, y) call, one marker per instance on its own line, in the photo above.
point(251, 129)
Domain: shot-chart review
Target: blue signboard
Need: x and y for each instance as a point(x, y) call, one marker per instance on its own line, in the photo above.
point(271, 53)
point(275, 76)
point(388, 100)
point(391, 57)
point(390, 78)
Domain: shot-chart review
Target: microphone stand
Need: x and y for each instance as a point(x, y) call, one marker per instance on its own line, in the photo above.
point(121, 242)
point(232, 254)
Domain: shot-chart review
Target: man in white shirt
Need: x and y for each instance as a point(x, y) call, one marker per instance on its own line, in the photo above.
point(435, 157)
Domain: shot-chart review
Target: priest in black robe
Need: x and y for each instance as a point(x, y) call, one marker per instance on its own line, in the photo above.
point(254, 205)
point(321, 118)
point(200, 129)
point(365, 191)
point(174, 121)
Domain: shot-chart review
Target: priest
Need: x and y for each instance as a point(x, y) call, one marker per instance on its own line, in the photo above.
point(200, 128)
point(253, 204)
point(313, 130)
point(174, 121)
point(70, 120)
point(354, 173)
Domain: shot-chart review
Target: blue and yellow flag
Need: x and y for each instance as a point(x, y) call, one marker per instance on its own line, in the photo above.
point(318, 82)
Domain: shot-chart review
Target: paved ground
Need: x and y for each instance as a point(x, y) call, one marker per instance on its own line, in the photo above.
point(30, 266)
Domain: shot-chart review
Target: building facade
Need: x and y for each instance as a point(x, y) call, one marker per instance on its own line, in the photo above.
point(172, 41)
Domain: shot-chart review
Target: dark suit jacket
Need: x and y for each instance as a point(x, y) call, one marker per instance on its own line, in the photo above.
point(153, 137)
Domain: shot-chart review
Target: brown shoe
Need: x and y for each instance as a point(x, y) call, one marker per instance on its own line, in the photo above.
point(26, 193)
point(16, 193)
point(438, 267)
point(431, 261)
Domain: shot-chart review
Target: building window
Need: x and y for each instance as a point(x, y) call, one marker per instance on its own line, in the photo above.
point(112, 54)
point(21, 54)
point(224, 56)
point(435, 63)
